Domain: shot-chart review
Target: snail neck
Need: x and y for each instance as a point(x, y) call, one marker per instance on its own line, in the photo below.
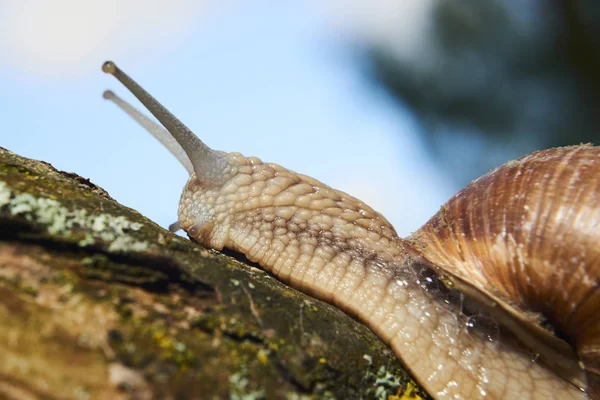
point(453, 351)
point(334, 247)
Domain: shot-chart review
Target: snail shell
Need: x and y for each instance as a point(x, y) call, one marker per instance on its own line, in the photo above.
point(526, 237)
point(494, 297)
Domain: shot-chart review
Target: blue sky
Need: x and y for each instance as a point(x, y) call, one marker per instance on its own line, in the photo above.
point(275, 81)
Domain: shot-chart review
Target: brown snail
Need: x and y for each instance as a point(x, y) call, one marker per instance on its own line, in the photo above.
point(494, 297)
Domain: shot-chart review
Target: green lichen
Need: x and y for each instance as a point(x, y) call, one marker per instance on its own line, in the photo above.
point(385, 384)
point(5, 194)
point(61, 221)
point(127, 243)
point(239, 387)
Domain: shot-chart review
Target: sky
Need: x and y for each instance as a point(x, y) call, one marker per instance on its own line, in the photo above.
point(283, 81)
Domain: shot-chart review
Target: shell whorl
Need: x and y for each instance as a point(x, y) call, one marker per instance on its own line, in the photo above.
point(527, 236)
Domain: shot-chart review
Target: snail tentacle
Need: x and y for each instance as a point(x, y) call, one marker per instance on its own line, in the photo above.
point(160, 133)
point(210, 166)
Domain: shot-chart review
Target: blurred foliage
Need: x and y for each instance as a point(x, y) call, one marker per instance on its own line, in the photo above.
point(503, 77)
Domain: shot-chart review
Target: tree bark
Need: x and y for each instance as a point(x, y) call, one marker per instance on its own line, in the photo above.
point(98, 302)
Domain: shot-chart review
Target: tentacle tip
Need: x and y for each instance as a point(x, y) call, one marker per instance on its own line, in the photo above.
point(109, 67)
point(108, 95)
point(174, 227)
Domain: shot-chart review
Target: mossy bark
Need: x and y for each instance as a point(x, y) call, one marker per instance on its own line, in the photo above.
point(97, 301)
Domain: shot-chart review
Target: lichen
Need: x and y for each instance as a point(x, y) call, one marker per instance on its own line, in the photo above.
point(385, 384)
point(239, 386)
point(5, 194)
point(411, 392)
point(125, 243)
point(62, 222)
point(326, 395)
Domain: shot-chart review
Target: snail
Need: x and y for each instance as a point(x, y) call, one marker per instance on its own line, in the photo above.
point(494, 297)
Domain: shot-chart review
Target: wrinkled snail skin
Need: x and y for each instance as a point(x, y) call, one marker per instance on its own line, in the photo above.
point(334, 247)
point(465, 302)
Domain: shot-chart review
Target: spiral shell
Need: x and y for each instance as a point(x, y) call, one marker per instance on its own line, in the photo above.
point(524, 240)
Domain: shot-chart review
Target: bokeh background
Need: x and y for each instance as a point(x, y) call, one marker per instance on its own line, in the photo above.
point(399, 103)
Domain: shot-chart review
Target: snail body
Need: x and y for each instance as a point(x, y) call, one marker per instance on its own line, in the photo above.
point(494, 297)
